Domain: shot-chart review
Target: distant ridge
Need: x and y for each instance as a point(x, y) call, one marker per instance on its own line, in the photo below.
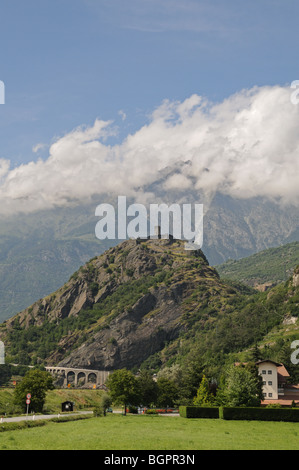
point(264, 269)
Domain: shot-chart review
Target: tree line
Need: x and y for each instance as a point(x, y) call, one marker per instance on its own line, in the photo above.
point(240, 386)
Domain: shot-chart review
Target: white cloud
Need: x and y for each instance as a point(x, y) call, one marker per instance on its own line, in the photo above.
point(245, 146)
point(122, 114)
point(36, 148)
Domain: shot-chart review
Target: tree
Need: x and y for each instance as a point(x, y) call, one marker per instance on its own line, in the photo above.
point(5, 373)
point(123, 388)
point(255, 353)
point(221, 391)
point(167, 392)
point(204, 396)
point(242, 387)
point(106, 402)
point(37, 383)
point(148, 388)
point(191, 375)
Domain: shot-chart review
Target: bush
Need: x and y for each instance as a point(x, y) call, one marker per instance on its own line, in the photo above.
point(65, 419)
point(98, 411)
point(133, 410)
point(151, 412)
point(199, 412)
point(13, 426)
point(260, 414)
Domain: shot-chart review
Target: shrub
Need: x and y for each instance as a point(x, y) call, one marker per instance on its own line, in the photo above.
point(98, 411)
point(260, 414)
point(199, 412)
point(13, 426)
point(151, 412)
point(133, 410)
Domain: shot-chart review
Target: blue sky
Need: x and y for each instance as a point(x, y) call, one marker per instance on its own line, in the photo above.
point(66, 63)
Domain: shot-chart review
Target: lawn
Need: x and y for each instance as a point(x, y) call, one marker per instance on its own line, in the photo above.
point(117, 432)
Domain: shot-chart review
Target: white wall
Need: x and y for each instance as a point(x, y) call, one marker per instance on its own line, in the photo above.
point(269, 376)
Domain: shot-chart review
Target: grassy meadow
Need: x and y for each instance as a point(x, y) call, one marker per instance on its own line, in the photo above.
point(141, 432)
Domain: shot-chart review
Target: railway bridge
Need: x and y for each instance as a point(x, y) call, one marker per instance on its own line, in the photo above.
point(75, 376)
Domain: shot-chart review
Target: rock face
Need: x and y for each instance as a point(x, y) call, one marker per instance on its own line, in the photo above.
point(264, 287)
point(134, 335)
point(295, 280)
point(121, 307)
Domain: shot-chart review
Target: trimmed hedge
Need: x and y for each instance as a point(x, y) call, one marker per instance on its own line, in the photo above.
point(241, 413)
point(17, 425)
point(260, 414)
point(199, 412)
point(13, 426)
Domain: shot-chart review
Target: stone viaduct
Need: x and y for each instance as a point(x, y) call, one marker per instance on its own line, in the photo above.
point(72, 375)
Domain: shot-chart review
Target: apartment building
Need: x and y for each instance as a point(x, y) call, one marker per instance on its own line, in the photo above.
point(276, 388)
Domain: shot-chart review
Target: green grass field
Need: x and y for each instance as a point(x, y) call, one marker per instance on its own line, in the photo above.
point(117, 432)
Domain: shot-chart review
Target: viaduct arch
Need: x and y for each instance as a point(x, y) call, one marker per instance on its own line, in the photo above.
point(98, 377)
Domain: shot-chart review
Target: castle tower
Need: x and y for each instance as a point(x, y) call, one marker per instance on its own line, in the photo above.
point(158, 232)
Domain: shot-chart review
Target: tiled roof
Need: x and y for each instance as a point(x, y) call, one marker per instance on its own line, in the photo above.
point(281, 370)
point(281, 401)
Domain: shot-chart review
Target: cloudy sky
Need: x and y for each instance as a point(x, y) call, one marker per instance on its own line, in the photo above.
point(101, 95)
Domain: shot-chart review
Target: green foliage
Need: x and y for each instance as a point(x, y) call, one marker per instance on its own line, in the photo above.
point(241, 413)
point(37, 383)
point(260, 414)
point(150, 411)
point(204, 396)
point(148, 388)
point(123, 387)
point(271, 265)
point(241, 387)
point(199, 412)
point(106, 402)
point(21, 425)
point(94, 288)
point(168, 392)
point(4, 374)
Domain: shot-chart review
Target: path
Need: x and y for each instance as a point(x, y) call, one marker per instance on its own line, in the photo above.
point(31, 417)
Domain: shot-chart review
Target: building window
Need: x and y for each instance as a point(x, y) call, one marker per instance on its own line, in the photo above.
point(263, 372)
point(265, 394)
point(270, 382)
point(270, 372)
point(264, 382)
point(270, 395)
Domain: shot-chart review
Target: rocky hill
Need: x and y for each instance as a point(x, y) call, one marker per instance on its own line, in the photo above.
point(148, 303)
point(118, 309)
